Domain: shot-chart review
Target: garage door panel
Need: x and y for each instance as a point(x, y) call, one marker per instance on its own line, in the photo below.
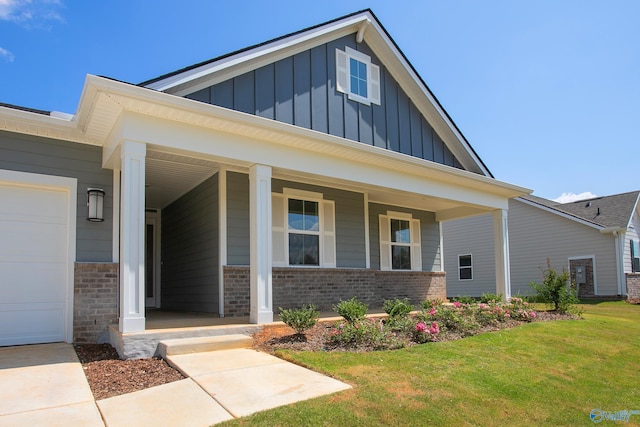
point(31, 241)
point(23, 282)
point(31, 323)
point(34, 262)
point(33, 203)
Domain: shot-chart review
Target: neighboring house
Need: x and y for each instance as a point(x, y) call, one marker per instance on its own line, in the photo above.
point(308, 169)
point(597, 240)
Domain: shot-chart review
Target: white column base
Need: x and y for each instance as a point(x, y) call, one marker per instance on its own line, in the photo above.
point(132, 324)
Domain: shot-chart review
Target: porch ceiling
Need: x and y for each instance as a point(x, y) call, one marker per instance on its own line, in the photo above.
point(169, 176)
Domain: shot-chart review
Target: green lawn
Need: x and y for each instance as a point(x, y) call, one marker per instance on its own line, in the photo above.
point(547, 373)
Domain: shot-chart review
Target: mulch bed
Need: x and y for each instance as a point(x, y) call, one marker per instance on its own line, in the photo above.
point(110, 376)
point(279, 337)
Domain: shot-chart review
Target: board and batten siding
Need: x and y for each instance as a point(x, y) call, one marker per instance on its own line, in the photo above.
point(301, 90)
point(190, 250)
point(349, 211)
point(474, 236)
point(45, 156)
point(429, 235)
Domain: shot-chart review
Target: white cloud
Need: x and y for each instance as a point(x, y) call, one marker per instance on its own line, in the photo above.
point(572, 197)
point(30, 13)
point(6, 55)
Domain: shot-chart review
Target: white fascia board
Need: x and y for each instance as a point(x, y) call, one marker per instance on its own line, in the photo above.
point(562, 214)
point(260, 51)
point(633, 212)
point(56, 126)
point(233, 147)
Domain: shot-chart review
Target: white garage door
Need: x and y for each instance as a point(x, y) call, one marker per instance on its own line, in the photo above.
point(34, 263)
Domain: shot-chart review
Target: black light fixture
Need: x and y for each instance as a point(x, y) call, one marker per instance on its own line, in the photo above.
point(95, 204)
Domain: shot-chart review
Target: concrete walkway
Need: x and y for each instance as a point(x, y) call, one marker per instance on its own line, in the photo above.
point(45, 385)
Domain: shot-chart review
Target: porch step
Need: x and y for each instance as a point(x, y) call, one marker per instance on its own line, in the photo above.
point(201, 344)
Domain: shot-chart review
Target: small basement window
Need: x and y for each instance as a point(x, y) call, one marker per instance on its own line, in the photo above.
point(465, 267)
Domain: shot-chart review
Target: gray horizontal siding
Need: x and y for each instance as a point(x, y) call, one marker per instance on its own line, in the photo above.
point(32, 154)
point(429, 235)
point(349, 211)
point(473, 236)
point(301, 90)
point(238, 219)
point(534, 236)
point(190, 250)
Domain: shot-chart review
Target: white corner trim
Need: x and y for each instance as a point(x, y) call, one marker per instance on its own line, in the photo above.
point(367, 237)
point(222, 236)
point(115, 237)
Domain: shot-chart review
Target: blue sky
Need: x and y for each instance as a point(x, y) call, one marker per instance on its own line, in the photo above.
point(546, 91)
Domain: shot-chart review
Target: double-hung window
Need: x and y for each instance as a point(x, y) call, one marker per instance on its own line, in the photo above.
point(303, 229)
point(400, 247)
point(635, 256)
point(465, 267)
point(357, 76)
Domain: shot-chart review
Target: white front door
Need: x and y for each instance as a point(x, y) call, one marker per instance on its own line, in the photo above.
point(152, 260)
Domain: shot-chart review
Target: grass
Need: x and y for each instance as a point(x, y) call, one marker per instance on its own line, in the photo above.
point(551, 373)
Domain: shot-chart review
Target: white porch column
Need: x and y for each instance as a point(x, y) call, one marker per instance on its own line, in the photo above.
point(501, 247)
point(132, 219)
point(260, 242)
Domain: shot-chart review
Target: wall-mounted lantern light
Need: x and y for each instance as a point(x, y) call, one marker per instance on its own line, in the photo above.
point(95, 203)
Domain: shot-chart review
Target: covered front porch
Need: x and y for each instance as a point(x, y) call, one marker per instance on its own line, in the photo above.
point(218, 185)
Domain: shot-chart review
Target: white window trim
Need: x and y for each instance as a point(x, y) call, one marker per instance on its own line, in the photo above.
point(343, 76)
point(466, 266)
point(323, 233)
point(415, 244)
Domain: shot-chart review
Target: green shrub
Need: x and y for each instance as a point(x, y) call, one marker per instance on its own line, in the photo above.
point(397, 308)
point(489, 298)
point(300, 319)
point(555, 290)
point(351, 309)
point(464, 299)
point(371, 334)
point(427, 304)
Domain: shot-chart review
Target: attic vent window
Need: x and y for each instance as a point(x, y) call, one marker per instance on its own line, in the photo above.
point(357, 76)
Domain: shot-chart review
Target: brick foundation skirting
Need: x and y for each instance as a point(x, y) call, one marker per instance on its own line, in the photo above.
point(633, 285)
point(294, 287)
point(95, 300)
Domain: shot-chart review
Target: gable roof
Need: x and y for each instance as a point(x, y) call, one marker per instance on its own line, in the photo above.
point(610, 211)
point(199, 76)
point(613, 211)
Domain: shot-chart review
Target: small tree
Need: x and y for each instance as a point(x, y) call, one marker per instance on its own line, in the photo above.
point(555, 290)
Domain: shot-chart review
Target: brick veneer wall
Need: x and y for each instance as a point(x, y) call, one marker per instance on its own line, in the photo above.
point(95, 300)
point(633, 285)
point(293, 287)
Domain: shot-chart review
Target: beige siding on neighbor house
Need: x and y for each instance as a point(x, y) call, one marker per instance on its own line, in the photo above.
point(535, 235)
point(633, 233)
point(473, 236)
